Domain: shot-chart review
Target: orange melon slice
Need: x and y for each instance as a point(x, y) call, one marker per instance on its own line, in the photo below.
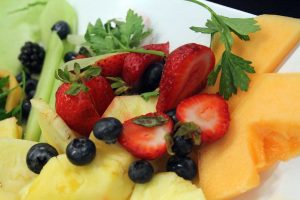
point(264, 129)
point(266, 49)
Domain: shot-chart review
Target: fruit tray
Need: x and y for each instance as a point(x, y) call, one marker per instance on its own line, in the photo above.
point(170, 20)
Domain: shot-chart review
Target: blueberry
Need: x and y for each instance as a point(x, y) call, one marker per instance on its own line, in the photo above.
point(184, 167)
point(172, 115)
point(151, 77)
point(182, 146)
point(108, 129)
point(32, 56)
point(30, 85)
point(71, 55)
point(38, 155)
point(62, 28)
point(140, 171)
point(81, 151)
point(19, 77)
point(26, 107)
point(30, 94)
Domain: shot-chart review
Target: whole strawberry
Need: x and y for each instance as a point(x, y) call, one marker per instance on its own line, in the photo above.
point(82, 98)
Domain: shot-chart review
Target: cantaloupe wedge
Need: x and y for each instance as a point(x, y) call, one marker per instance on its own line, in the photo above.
point(266, 49)
point(264, 129)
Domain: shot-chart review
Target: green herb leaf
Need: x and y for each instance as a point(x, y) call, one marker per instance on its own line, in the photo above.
point(151, 121)
point(119, 85)
point(212, 77)
point(76, 88)
point(90, 71)
point(186, 129)
point(147, 95)
point(118, 36)
point(233, 68)
point(132, 31)
point(77, 74)
point(242, 26)
point(77, 69)
point(170, 143)
point(205, 30)
point(4, 82)
point(77, 77)
point(234, 74)
point(189, 130)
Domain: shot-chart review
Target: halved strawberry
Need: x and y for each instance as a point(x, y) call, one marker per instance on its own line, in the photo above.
point(136, 63)
point(185, 74)
point(146, 142)
point(209, 112)
point(82, 98)
point(112, 65)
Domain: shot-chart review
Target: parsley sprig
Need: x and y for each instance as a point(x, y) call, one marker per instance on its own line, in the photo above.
point(118, 36)
point(233, 68)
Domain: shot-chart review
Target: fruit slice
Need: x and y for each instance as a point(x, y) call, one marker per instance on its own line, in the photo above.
point(15, 174)
point(209, 112)
point(264, 129)
point(136, 63)
point(127, 107)
point(165, 186)
point(45, 84)
point(104, 178)
point(266, 49)
point(112, 66)
point(143, 141)
point(123, 108)
point(185, 74)
point(10, 129)
point(54, 129)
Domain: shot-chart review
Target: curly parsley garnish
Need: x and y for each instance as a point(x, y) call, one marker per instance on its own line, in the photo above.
point(118, 36)
point(233, 68)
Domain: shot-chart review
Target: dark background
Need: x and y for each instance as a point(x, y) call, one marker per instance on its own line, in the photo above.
point(280, 7)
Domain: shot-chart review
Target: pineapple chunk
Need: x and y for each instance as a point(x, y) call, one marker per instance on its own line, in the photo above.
point(127, 107)
point(8, 195)
point(124, 108)
point(14, 173)
point(104, 178)
point(116, 151)
point(54, 129)
point(10, 129)
point(165, 186)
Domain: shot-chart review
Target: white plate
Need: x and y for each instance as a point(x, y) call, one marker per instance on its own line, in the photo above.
point(170, 20)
